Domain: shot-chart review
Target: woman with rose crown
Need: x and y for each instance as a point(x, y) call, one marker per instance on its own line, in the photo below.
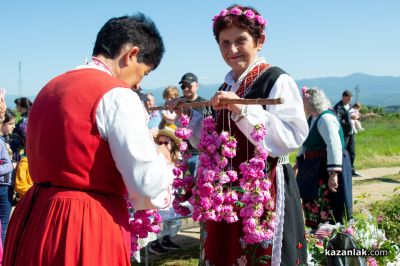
point(239, 32)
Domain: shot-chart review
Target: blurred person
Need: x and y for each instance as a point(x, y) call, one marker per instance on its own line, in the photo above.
point(332, 200)
point(23, 180)
point(168, 116)
point(171, 225)
point(23, 105)
point(155, 116)
point(90, 150)
point(355, 116)
point(342, 111)
point(190, 85)
point(6, 167)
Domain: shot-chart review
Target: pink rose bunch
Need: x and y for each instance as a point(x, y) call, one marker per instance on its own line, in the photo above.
point(143, 223)
point(258, 213)
point(236, 11)
point(371, 261)
point(183, 181)
point(213, 196)
point(258, 132)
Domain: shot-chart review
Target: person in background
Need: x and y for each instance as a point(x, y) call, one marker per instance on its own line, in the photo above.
point(155, 116)
point(333, 202)
point(23, 180)
point(355, 118)
point(168, 117)
point(23, 105)
point(190, 85)
point(6, 167)
point(90, 151)
point(239, 32)
point(342, 111)
point(171, 225)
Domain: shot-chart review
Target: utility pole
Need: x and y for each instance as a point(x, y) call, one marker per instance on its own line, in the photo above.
point(19, 78)
point(357, 93)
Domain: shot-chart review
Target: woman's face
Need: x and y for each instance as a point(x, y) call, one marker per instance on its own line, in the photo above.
point(164, 140)
point(238, 48)
point(7, 128)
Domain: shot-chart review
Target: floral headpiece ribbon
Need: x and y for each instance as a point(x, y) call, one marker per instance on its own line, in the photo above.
point(236, 11)
point(305, 91)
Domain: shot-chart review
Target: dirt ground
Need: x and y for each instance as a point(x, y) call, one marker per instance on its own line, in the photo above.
point(378, 187)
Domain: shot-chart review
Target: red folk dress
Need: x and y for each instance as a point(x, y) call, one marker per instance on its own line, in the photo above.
point(76, 213)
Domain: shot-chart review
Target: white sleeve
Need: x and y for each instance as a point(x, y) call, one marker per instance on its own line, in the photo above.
point(328, 127)
point(285, 123)
point(122, 120)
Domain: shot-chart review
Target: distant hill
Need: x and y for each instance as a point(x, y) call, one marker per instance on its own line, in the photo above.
point(373, 90)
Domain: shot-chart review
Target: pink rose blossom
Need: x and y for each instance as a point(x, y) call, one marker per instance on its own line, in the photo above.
point(260, 20)
point(183, 146)
point(249, 13)
point(235, 11)
point(184, 120)
point(223, 13)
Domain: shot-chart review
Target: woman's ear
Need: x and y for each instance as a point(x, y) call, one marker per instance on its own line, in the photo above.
point(130, 54)
point(261, 42)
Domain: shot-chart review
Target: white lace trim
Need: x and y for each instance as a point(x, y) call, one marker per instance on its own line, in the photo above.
point(280, 214)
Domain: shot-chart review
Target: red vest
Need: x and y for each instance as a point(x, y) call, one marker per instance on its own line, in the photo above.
point(64, 146)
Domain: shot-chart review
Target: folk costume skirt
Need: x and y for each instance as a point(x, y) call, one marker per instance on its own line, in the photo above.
point(59, 226)
point(221, 240)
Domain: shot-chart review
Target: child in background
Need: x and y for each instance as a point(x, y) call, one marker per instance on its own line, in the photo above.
point(171, 222)
point(168, 116)
point(355, 118)
point(23, 179)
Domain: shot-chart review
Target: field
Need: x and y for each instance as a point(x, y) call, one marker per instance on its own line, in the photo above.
point(378, 145)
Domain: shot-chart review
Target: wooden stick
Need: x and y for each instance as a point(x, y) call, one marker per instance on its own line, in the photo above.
point(260, 101)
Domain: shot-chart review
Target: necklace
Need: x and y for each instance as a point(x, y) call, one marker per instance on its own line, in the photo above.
point(99, 63)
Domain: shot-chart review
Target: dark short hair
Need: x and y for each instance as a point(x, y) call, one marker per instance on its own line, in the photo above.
point(138, 30)
point(243, 22)
point(23, 102)
point(8, 116)
point(347, 93)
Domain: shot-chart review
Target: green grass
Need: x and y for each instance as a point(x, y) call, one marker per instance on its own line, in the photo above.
point(378, 145)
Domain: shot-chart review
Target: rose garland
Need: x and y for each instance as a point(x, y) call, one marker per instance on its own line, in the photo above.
point(214, 197)
point(182, 185)
point(142, 223)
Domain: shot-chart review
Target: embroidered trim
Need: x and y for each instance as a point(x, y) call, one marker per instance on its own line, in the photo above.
point(280, 214)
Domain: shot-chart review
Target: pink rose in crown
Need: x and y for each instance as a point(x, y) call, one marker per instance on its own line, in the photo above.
point(223, 13)
point(260, 20)
point(235, 11)
point(249, 13)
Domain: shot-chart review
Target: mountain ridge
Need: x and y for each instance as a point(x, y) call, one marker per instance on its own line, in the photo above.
point(373, 90)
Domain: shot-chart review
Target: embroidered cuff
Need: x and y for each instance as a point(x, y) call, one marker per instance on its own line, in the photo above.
point(237, 117)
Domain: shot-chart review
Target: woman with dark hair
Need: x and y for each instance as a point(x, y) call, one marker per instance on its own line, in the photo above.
point(17, 141)
point(6, 167)
point(239, 32)
point(90, 151)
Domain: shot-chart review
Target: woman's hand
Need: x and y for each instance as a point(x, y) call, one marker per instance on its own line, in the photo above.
point(3, 105)
point(173, 105)
point(162, 149)
point(221, 95)
point(333, 181)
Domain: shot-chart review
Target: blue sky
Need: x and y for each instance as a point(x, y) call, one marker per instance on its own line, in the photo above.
point(309, 38)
